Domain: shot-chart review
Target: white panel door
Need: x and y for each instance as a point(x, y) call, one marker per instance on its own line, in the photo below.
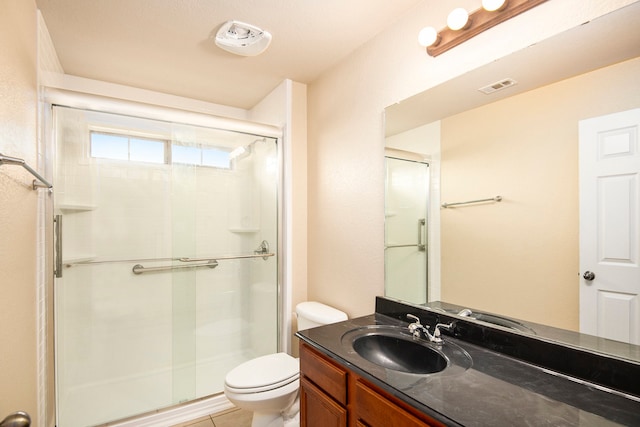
point(610, 226)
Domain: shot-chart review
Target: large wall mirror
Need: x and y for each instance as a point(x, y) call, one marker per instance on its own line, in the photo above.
point(520, 257)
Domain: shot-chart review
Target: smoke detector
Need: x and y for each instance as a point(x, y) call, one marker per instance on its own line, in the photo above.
point(242, 39)
point(499, 85)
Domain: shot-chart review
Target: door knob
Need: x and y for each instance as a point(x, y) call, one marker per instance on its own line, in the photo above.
point(589, 275)
point(17, 419)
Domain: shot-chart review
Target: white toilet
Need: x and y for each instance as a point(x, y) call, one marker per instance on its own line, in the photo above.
point(268, 385)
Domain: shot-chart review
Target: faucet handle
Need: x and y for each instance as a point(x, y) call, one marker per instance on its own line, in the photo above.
point(416, 327)
point(413, 317)
point(447, 326)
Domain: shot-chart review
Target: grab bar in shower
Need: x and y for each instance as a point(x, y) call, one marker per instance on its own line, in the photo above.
point(210, 262)
point(492, 199)
point(16, 161)
point(139, 268)
point(402, 246)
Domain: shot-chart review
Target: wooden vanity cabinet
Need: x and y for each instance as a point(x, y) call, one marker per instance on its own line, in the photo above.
point(333, 396)
point(323, 391)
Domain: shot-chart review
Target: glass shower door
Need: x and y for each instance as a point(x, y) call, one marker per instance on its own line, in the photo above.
point(406, 203)
point(223, 222)
point(160, 290)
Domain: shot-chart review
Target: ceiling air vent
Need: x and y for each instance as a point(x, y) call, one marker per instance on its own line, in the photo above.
point(242, 39)
point(499, 85)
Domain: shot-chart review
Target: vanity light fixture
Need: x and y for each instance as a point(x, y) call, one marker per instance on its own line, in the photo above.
point(458, 19)
point(493, 5)
point(428, 36)
point(462, 26)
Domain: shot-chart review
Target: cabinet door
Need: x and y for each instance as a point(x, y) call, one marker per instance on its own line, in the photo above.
point(317, 409)
point(329, 377)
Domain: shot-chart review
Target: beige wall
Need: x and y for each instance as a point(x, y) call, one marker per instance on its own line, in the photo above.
point(297, 238)
point(520, 257)
point(286, 107)
point(346, 135)
point(18, 205)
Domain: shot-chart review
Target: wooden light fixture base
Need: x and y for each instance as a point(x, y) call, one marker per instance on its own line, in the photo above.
point(479, 21)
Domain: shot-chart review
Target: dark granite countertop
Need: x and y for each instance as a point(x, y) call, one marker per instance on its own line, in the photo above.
point(496, 390)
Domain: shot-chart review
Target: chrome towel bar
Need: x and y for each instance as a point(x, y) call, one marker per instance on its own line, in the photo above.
point(261, 252)
point(6, 160)
point(183, 259)
point(492, 199)
point(261, 255)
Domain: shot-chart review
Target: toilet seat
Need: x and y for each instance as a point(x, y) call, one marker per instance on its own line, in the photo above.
point(263, 374)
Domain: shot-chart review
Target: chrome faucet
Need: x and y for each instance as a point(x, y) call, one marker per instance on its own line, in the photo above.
point(417, 329)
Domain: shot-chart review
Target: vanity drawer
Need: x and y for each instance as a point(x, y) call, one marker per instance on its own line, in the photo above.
point(375, 410)
point(328, 376)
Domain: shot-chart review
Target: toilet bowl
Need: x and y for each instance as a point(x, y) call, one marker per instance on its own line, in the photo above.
point(265, 386)
point(268, 385)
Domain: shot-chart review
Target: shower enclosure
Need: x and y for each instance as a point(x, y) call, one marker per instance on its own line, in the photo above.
point(406, 248)
point(166, 261)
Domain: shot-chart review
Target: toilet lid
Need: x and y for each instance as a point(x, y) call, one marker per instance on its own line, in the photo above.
point(264, 371)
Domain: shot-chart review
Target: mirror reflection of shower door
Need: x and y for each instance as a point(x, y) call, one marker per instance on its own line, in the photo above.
point(406, 247)
point(137, 192)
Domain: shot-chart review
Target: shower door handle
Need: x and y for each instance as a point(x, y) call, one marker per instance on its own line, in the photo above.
point(422, 223)
point(57, 222)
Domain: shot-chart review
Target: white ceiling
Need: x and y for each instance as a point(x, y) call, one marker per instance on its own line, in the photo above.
point(167, 46)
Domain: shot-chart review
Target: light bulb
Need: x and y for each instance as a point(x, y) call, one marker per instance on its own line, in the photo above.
point(428, 36)
point(457, 19)
point(493, 5)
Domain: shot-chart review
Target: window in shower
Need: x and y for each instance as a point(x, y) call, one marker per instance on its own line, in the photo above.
point(134, 340)
point(118, 146)
point(123, 147)
point(201, 156)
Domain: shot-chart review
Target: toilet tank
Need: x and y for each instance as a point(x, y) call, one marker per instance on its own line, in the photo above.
point(311, 314)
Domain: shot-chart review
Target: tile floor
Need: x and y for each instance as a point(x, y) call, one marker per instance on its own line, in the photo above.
point(230, 418)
